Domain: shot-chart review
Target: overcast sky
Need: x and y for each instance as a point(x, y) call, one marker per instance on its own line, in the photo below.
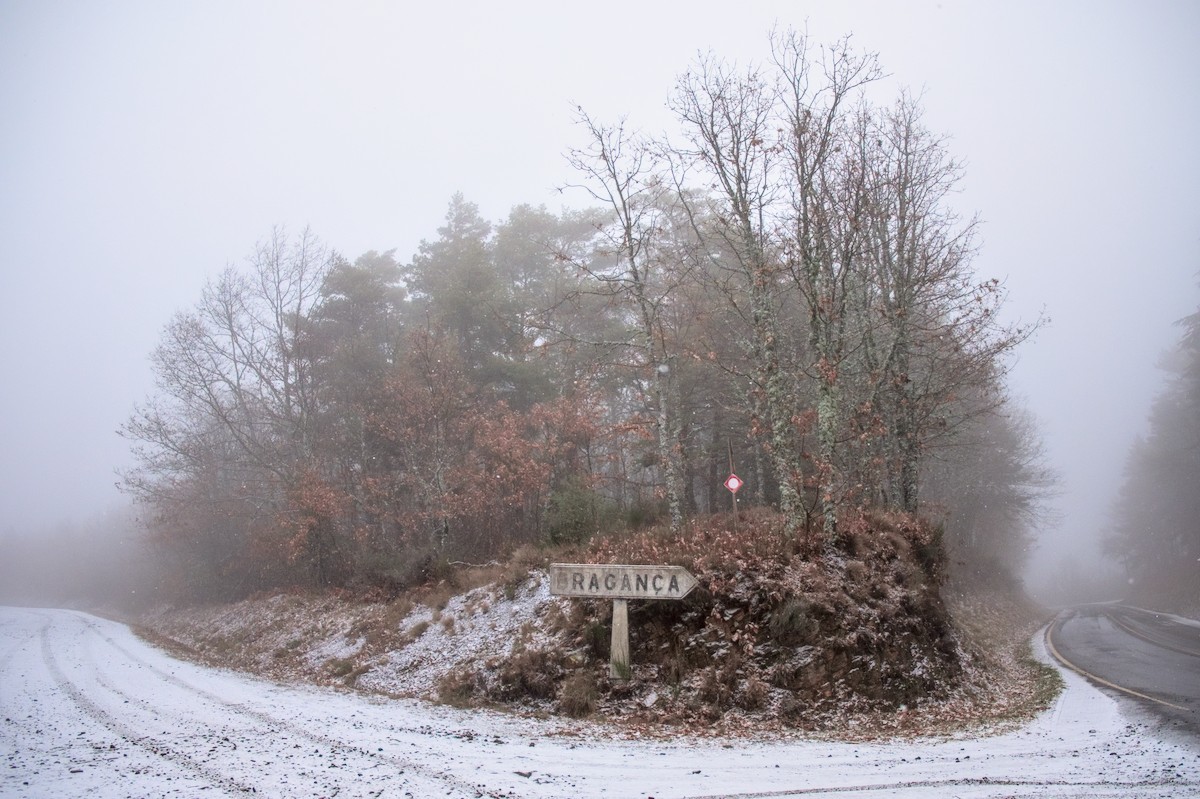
point(146, 145)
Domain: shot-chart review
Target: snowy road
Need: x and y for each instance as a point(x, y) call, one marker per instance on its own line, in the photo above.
point(91, 710)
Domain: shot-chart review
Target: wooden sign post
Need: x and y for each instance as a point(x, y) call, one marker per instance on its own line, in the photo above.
point(620, 584)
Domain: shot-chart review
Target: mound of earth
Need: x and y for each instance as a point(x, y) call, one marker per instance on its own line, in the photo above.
point(778, 635)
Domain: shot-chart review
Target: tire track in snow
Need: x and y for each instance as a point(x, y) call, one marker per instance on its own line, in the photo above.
point(274, 723)
point(1089, 789)
point(15, 726)
point(150, 744)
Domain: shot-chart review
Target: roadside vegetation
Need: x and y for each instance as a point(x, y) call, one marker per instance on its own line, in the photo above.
point(780, 288)
point(856, 642)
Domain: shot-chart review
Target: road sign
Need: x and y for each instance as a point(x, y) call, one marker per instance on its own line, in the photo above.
point(733, 483)
point(620, 582)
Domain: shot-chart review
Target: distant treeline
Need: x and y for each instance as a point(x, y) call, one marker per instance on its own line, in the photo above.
point(783, 290)
point(1156, 515)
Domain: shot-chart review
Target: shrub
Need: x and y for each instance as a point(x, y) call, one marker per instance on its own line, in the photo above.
point(339, 667)
point(459, 688)
point(577, 695)
point(753, 694)
point(931, 553)
point(598, 637)
point(416, 631)
point(792, 623)
point(575, 512)
point(528, 674)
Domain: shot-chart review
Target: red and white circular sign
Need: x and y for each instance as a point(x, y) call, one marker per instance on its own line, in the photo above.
point(733, 483)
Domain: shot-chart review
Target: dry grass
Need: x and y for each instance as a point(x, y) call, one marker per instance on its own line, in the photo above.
point(578, 694)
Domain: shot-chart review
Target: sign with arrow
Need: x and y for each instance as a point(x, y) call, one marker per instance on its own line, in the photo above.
point(620, 584)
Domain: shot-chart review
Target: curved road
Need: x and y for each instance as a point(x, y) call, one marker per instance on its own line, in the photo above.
point(1153, 657)
point(89, 710)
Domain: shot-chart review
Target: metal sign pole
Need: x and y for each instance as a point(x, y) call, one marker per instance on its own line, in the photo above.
point(733, 487)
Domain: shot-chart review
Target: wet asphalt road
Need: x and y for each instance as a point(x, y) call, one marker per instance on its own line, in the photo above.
point(1152, 657)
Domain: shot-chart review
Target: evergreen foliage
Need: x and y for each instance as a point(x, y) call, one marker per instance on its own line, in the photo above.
point(1156, 516)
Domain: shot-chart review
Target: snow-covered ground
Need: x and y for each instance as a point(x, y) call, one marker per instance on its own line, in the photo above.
point(91, 710)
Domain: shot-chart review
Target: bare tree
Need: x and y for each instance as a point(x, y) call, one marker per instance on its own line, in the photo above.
point(235, 382)
point(730, 152)
point(940, 353)
point(637, 267)
point(825, 179)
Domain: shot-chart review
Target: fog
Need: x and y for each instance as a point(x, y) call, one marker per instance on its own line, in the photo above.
point(145, 146)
